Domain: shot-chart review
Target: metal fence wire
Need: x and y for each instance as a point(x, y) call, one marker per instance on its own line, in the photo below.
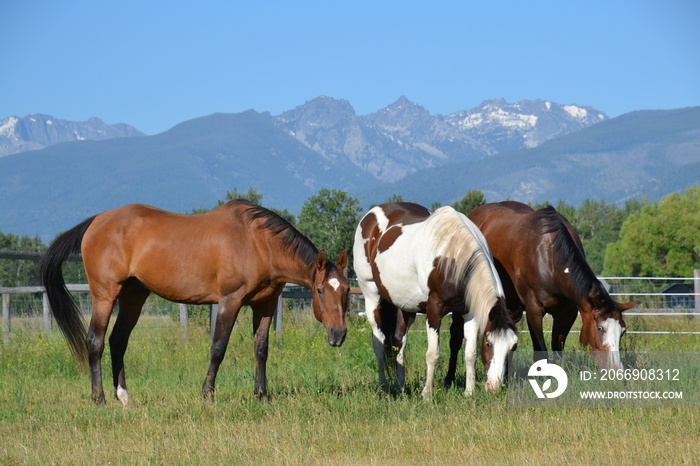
point(27, 307)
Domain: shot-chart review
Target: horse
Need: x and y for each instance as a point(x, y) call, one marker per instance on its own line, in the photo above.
point(543, 268)
point(237, 254)
point(409, 261)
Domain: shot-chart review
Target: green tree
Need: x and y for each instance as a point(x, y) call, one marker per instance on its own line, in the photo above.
point(329, 219)
point(598, 224)
point(395, 198)
point(662, 239)
point(252, 195)
point(567, 210)
point(14, 272)
point(470, 201)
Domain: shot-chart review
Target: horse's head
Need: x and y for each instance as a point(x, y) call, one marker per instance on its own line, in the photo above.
point(603, 327)
point(499, 341)
point(330, 300)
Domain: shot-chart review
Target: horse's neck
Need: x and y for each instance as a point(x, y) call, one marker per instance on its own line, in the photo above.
point(294, 270)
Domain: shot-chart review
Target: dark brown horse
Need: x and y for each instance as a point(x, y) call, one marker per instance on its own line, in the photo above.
point(542, 266)
point(238, 254)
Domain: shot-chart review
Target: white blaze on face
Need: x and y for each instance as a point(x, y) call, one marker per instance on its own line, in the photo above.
point(612, 332)
point(334, 283)
point(503, 342)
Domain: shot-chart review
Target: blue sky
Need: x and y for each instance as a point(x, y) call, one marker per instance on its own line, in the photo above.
point(154, 64)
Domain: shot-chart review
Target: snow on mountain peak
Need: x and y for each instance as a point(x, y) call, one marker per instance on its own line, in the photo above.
point(8, 126)
point(576, 112)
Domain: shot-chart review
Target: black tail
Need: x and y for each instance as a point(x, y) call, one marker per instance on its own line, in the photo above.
point(64, 308)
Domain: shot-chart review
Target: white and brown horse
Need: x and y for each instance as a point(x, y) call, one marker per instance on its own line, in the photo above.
point(238, 254)
point(409, 261)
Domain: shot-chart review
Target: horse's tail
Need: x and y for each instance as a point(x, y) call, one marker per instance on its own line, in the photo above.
point(64, 308)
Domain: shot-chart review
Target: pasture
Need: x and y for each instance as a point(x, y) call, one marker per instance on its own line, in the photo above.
point(323, 406)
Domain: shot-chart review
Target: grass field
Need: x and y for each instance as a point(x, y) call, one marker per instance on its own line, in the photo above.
point(323, 409)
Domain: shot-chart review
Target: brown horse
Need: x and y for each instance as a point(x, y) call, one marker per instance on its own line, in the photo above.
point(542, 265)
point(238, 254)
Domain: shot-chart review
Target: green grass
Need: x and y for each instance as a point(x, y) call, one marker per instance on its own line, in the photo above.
point(324, 408)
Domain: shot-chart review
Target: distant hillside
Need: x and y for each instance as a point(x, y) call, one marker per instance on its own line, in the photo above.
point(645, 153)
point(38, 131)
point(193, 164)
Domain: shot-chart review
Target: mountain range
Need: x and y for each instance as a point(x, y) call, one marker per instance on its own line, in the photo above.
point(530, 150)
point(37, 131)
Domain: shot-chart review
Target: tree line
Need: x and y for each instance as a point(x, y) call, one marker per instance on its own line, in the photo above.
point(661, 238)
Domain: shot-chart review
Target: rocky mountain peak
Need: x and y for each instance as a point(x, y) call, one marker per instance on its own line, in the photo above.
point(321, 111)
point(38, 130)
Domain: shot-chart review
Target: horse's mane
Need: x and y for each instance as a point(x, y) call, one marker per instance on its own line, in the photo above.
point(466, 260)
point(568, 253)
point(297, 243)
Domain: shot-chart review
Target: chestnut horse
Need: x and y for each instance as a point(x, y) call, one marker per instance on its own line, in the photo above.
point(542, 265)
point(238, 254)
point(410, 261)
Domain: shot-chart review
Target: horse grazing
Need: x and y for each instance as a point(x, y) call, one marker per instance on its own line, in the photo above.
point(238, 254)
point(542, 265)
point(410, 261)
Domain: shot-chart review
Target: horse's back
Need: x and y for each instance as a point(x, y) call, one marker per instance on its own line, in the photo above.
point(389, 250)
point(506, 213)
point(177, 256)
point(138, 228)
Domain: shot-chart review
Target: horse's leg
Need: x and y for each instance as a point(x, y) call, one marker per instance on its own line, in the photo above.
point(534, 312)
point(456, 340)
point(432, 356)
point(262, 317)
point(102, 305)
point(402, 336)
point(373, 313)
point(471, 335)
point(564, 319)
point(229, 306)
point(131, 300)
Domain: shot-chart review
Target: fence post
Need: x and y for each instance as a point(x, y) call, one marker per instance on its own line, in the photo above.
point(696, 289)
point(213, 313)
point(5, 315)
point(183, 316)
point(47, 312)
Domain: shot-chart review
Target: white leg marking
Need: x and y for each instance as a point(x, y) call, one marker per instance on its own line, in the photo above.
point(371, 303)
point(432, 356)
point(122, 395)
point(470, 335)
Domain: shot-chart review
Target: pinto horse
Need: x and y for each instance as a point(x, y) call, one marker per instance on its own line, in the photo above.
point(542, 265)
point(238, 254)
point(410, 261)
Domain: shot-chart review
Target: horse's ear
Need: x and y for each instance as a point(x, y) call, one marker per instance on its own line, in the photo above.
point(493, 313)
point(342, 261)
point(626, 306)
point(321, 260)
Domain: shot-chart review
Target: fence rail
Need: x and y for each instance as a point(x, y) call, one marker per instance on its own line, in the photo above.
point(647, 289)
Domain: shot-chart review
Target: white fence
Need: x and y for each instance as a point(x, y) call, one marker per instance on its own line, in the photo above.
point(31, 304)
